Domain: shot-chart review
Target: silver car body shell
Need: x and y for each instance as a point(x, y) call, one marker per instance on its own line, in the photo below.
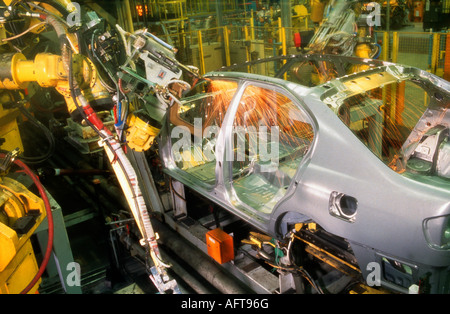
point(391, 207)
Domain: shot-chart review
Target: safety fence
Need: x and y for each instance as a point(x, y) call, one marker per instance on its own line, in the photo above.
point(426, 51)
point(247, 36)
point(212, 48)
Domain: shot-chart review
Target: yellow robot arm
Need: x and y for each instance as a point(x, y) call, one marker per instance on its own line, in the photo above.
point(48, 71)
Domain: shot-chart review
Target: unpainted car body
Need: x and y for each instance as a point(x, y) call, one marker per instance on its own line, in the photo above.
point(372, 174)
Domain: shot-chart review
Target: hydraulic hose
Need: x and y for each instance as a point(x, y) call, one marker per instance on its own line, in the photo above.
point(122, 167)
point(48, 210)
point(48, 135)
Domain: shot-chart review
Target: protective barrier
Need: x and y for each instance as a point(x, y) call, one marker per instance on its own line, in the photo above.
point(425, 51)
point(235, 44)
point(248, 36)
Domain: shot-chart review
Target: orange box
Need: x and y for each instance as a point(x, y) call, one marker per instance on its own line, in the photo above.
point(220, 245)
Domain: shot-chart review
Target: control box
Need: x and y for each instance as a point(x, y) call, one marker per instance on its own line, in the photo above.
point(220, 245)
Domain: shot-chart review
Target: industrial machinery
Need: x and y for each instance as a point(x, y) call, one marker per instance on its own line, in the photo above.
point(433, 17)
point(190, 158)
point(21, 213)
point(346, 29)
point(73, 71)
point(349, 162)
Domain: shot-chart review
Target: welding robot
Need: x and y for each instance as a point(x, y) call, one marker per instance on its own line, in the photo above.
point(343, 27)
point(94, 68)
point(346, 28)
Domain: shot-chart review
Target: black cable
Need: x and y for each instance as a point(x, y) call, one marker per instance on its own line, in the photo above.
point(73, 93)
point(303, 272)
point(48, 135)
point(175, 191)
point(25, 8)
point(12, 25)
point(93, 55)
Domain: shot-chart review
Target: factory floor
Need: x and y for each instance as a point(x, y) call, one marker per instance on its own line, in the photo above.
point(99, 271)
point(90, 244)
point(98, 265)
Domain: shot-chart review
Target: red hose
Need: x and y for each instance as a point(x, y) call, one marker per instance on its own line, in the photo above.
point(44, 197)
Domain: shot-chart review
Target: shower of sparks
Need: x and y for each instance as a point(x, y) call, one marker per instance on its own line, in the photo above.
point(382, 118)
point(259, 109)
point(403, 106)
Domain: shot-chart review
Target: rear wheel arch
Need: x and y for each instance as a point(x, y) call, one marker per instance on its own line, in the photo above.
point(286, 222)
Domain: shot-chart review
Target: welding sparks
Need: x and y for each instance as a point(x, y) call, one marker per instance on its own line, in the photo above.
point(267, 126)
point(383, 118)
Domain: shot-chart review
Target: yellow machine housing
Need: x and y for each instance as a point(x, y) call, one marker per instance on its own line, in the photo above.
point(21, 212)
point(48, 71)
point(65, 3)
point(9, 128)
point(141, 133)
point(317, 9)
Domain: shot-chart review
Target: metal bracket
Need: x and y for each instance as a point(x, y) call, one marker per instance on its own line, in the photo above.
point(162, 284)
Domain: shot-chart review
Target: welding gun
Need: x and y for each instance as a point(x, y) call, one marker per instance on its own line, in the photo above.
point(74, 75)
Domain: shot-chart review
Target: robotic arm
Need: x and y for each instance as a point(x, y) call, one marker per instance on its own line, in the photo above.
point(345, 30)
point(150, 72)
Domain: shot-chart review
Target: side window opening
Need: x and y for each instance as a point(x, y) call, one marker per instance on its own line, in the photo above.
point(271, 135)
point(195, 126)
